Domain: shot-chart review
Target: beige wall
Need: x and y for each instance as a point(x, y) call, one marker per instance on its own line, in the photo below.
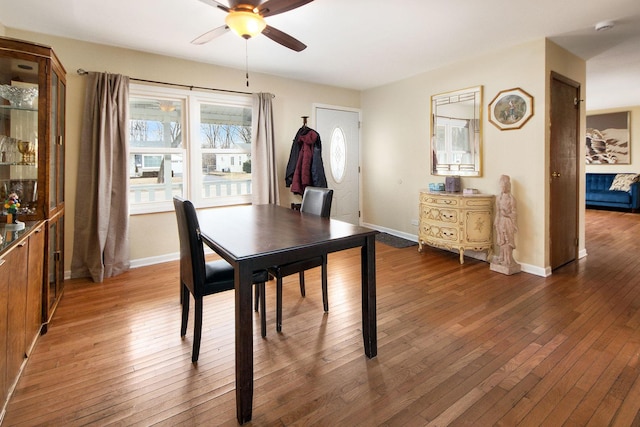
point(154, 236)
point(395, 137)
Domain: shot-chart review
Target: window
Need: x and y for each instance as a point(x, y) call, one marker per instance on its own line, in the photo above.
point(338, 156)
point(188, 143)
point(452, 141)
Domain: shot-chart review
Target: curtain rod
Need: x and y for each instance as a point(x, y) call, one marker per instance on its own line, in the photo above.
point(83, 72)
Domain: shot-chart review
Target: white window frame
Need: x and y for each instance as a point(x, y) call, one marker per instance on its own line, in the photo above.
point(191, 151)
point(451, 156)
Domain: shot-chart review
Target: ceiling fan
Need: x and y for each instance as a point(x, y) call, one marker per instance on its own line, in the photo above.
point(246, 18)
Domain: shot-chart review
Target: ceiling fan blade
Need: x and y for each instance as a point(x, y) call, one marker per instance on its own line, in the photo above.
point(273, 7)
point(210, 35)
point(214, 3)
point(284, 39)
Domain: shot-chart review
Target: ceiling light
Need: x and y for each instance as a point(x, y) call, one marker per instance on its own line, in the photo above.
point(167, 106)
point(245, 24)
point(604, 26)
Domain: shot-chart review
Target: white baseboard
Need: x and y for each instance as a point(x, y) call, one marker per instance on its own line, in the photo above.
point(537, 271)
point(407, 236)
point(142, 262)
point(526, 268)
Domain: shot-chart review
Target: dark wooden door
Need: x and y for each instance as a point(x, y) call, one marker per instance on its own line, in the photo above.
point(563, 175)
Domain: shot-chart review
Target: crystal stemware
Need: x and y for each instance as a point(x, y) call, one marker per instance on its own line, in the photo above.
point(21, 97)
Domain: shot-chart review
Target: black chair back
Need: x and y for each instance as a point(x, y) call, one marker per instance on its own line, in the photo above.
point(192, 269)
point(317, 201)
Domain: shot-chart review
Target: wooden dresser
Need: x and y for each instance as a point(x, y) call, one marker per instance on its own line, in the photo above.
point(454, 221)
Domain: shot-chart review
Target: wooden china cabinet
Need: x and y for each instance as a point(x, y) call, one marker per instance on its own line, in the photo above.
point(32, 140)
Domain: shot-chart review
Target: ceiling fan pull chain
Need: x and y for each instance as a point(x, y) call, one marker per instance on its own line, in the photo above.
point(246, 50)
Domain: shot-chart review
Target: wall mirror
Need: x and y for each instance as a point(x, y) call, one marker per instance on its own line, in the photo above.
point(456, 132)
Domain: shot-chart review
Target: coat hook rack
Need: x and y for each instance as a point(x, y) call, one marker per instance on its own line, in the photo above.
point(304, 120)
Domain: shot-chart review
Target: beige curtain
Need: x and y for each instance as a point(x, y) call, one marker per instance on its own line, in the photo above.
point(264, 179)
point(101, 232)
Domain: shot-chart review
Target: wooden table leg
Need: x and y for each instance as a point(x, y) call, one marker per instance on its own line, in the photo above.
point(244, 343)
point(369, 327)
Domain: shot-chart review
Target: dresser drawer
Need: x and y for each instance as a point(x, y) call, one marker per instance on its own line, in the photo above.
point(438, 214)
point(442, 199)
point(432, 233)
point(475, 202)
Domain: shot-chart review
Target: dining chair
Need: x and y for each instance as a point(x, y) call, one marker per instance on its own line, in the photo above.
point(315, 201)
point(201, 278)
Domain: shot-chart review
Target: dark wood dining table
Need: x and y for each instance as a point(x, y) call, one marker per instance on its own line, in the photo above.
point(259, 236)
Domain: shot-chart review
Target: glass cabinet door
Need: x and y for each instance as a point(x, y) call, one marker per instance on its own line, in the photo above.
point(19, 132)
point(53, 141)
point(61, 140)
point(54, 263)
point(56, 143)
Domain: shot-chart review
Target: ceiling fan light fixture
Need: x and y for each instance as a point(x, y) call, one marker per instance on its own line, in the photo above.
point(245, 24)
point(167, 106)
point(604, 25)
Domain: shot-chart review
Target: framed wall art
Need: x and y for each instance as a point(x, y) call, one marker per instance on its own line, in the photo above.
point(511, 109)
point(608, 139)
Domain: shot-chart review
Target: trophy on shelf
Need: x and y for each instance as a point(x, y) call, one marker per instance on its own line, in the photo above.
point(28, 151)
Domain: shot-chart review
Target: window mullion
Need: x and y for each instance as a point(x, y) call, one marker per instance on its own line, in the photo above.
point(194, 152)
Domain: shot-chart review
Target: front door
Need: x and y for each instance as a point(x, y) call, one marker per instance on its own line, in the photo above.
point(340, 134)
point(563, 176)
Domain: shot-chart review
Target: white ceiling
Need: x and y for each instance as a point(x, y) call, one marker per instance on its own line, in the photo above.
point(361, 44)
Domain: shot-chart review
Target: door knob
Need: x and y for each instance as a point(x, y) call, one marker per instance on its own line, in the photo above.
point(555, 174)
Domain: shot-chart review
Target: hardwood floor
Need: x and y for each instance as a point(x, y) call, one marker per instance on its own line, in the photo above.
point(457, 345)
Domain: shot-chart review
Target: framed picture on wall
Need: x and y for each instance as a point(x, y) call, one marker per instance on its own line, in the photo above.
point(511, 109)
point(608, 139)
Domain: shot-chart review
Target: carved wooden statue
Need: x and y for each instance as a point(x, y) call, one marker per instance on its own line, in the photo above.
point(505, 229)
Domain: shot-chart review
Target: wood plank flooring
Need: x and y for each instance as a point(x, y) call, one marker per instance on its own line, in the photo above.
point(457, 345)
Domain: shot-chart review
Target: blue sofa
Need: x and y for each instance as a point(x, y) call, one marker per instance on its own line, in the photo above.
point(598, 194)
